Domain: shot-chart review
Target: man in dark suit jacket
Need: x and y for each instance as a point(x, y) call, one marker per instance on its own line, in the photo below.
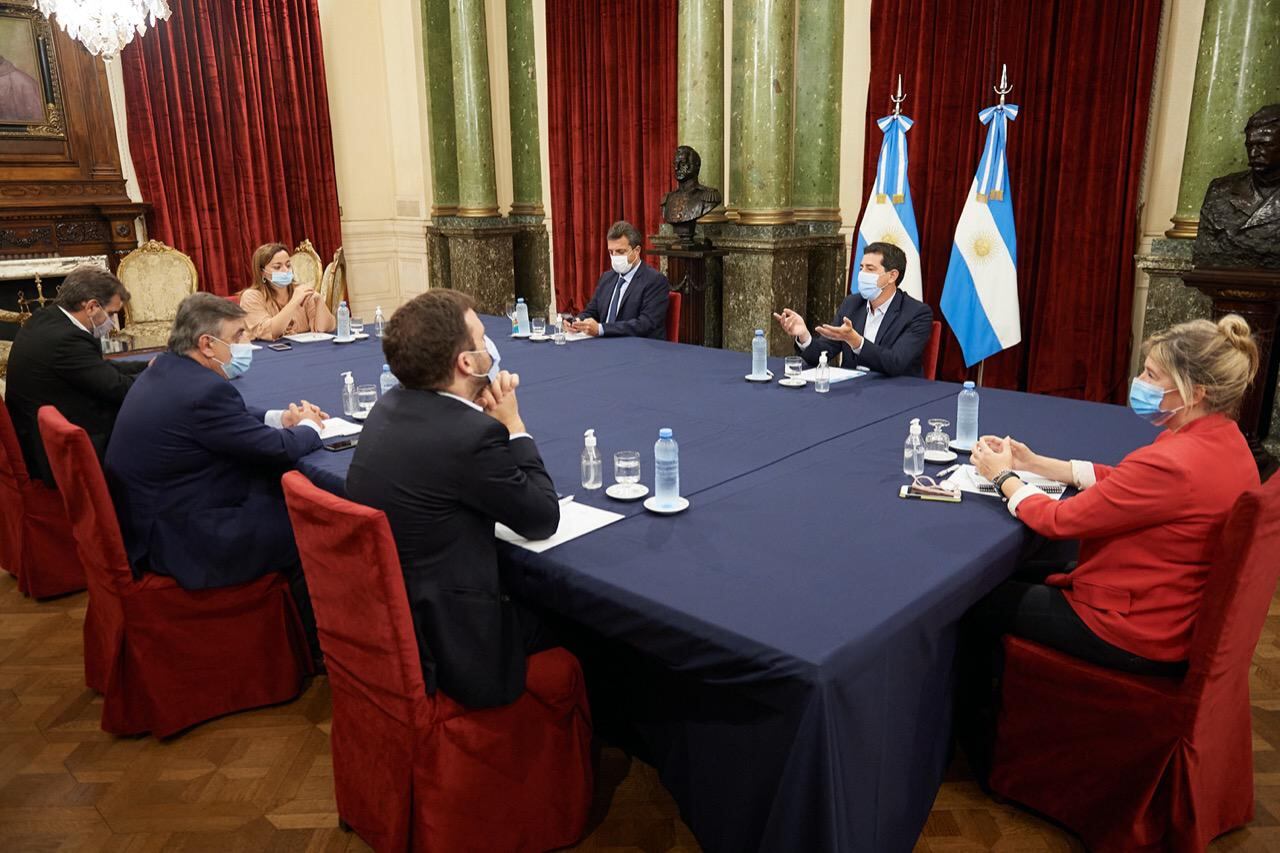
point(194, 473)
point(880, 327)
point(631, 298)
point(445, 455)
point(57, 361)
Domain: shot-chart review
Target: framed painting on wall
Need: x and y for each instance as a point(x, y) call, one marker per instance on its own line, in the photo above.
point(30, 87)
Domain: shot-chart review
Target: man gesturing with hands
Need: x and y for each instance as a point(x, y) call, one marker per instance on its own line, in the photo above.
point(445, 455)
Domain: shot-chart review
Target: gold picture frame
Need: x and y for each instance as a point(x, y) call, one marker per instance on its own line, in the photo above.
point(31, 104)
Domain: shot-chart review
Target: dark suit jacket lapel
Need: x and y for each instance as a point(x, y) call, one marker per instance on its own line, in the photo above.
point(885, 334)
point(631, 290)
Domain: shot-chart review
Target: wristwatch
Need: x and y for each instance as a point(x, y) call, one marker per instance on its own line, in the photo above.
point(999, 480)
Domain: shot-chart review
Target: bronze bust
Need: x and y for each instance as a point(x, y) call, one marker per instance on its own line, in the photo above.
point(690, 200)
point(1240, 218)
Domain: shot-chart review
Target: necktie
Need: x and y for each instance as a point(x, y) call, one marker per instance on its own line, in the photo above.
point(613, 302)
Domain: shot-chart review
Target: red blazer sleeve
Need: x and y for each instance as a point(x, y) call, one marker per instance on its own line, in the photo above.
point(1142, 491)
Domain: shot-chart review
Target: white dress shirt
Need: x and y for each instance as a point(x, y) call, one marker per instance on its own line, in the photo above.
point(875, 317)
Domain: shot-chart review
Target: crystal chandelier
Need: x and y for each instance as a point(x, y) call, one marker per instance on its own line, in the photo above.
point(105, 26)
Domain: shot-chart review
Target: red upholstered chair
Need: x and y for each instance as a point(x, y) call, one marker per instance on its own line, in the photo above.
point(163, 657)
point(1136, 763)
point(674, 299)
point(36, 545)
point(930, 360)
point(420, 772)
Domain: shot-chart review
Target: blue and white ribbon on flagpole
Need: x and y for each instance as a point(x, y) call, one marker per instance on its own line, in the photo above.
point(890, 217)
point(980, 293)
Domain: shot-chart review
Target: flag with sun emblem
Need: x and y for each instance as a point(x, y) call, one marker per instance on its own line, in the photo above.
point(890, 217)
point(980, 293)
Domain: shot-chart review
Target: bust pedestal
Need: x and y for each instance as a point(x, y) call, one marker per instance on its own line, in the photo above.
point(1255, 295)
point(696, 274)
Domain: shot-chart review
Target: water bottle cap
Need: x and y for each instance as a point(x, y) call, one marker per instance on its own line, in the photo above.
point(665, 432)
point(969, 385)
point(759, 333)
point(520, 300)
point(343, 302)
point(386, 368)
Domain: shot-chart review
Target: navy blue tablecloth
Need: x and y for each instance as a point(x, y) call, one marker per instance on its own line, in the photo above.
point(788, 640)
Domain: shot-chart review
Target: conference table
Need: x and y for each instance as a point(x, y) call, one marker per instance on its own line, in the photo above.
point(781, 651)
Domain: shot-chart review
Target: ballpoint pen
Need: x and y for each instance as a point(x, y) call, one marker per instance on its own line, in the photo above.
point(945, 471)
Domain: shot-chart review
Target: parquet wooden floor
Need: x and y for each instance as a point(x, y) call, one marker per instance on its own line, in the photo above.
point(262, 780)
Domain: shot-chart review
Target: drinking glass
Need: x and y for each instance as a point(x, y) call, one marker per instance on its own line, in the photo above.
point(511, 315)
point(793, 366)
point(626, 467)
point(937, 441)
point(366, 396)
point(538, 326)
point(357, 326)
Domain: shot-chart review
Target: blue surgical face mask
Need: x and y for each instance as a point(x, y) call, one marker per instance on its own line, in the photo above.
point(102, 329)
point(1145, 400)
point(868, 285)
point(241, 359)
point(494, 360)
point(282, 278)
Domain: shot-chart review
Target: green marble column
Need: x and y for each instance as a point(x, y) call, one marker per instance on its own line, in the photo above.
point(819, 68)
point(700, 89)
point(522, 84)
point(1237, 71)
point(438, 53)
point(762, 122)
point(472, 110)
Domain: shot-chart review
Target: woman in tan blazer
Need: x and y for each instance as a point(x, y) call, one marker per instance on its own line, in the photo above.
point(275, 305)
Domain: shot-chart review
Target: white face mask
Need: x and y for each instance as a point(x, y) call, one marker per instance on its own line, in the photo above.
point(621, 263)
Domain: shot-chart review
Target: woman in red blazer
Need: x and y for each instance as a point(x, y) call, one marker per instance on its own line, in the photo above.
point(1146, 526)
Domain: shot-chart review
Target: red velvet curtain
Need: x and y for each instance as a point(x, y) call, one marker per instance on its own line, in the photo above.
point(1082, 74)
point(229, 131)
point(611, 82)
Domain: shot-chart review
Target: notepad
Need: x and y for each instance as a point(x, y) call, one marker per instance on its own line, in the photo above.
point(838, 374)
point(575, 520)
point(338, 427)
point(969, 480)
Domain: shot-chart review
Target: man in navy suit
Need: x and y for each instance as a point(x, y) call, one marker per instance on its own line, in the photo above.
point(194, 473)
point(880, 327)
point(631, 298)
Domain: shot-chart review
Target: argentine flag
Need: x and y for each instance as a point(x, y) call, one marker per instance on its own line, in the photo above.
point(980, 294)
point(890, 217)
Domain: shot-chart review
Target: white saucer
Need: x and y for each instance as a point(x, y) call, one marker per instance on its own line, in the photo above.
point(961, 448)
point(766, 378)
point(360, 414)
point(939, 456)
point(680, 506)
point(539, 337)
point(522, 334)
point(350, 340)
point(627, 491)
point(790, 382)
point(360, 336)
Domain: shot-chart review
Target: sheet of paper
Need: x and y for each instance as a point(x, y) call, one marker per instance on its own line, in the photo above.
point(576, 336)
point(575, 520)
point(838, 374)
point(338, 427)
point(969, 480)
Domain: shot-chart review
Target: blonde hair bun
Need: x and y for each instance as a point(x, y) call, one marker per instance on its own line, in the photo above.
point(1236, 330)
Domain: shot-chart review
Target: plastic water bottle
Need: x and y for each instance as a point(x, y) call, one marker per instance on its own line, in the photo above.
point(822, 378)
point(387, 380)
point(666, 477)
point(592, 466)
point(522, 317)
point(967, 416)
point(350, 404)
point(344, 321)
point(378, 321)
point(913, 451)
point(759, 355)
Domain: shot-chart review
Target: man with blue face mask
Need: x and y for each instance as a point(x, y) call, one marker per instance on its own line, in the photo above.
point(878, 327)
point(446, 455)
point(195, 473)
point(57, 361)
